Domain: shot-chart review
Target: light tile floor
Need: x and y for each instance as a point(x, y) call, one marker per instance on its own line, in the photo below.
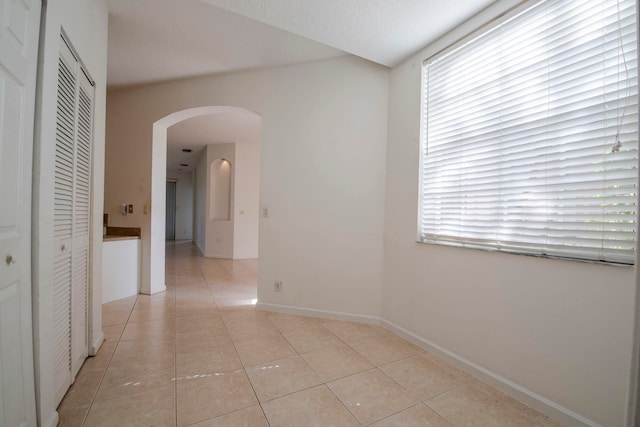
point(200, 354)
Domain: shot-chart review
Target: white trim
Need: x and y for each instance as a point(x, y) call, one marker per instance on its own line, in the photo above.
point(314, 312)
point(526, 396)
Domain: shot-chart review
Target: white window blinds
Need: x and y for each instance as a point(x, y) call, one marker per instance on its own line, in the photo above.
point(529, 139)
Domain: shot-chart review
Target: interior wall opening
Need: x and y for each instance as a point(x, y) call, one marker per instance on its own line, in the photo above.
point(185, 146)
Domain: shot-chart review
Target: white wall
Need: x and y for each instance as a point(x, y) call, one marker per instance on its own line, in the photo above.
point(558, 329)
point(247, 197)
point(236, 238)
point(184, 203)
point(219, 232)
point(86, 28)
point(322, 172)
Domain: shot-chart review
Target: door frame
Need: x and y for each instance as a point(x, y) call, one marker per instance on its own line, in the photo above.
point(175, 208)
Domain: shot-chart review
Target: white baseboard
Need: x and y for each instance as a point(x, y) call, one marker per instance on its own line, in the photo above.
point(96, 344)
point(148, 291)
point(528, 397)
point(53, 421)
point(314, 312)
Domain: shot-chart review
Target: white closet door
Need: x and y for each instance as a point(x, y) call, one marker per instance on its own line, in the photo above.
point(72, 223)
point(63, 218)
point(19, 28)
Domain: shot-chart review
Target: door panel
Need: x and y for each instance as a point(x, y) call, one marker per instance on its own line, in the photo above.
point(19, 27)
point(12, 366)
point(61, 317)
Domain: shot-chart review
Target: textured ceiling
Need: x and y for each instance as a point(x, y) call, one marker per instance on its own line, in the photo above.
point(156, 40)
point(382, 31)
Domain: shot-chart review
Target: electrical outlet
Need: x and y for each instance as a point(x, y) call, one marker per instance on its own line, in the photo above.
point(277, 286)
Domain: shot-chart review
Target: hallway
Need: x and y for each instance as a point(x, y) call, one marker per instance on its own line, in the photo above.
point(201, 354)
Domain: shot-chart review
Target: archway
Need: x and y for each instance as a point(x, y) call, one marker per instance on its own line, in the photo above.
point(153, 246)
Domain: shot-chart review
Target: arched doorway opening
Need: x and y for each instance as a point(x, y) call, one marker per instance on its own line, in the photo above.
point(153, 251)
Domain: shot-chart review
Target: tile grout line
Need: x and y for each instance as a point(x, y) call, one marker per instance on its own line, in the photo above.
point(323, 383)
point(95, 393)
point(398, 412)
point(238, 354)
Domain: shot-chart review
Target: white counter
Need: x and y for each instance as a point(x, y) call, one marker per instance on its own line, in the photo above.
point(120, 267)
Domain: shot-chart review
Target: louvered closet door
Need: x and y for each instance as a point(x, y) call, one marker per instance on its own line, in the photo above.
point(81, 223)
point(63, 218)
point(71, 218)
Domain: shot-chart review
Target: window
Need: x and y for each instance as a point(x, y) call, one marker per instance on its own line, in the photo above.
point(530, 134)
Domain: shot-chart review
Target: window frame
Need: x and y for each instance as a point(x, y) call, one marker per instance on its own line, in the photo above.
point(479, 32)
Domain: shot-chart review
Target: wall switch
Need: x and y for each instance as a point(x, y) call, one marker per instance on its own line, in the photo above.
point(266, 212)
point(277, 286)
point(130, 208)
